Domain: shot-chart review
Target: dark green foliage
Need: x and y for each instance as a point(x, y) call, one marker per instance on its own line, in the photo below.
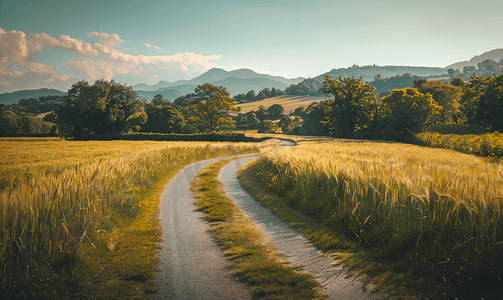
point(482, 101)
point(405, 111)
point(267, 126)
point(203, 137)
point(352, 107)
point(287, 123)
point(22, 124)
point(103, 108)
point(306, 87)
point(275, 111)
point(163, 119)
point(314, 119)
point(447, 96)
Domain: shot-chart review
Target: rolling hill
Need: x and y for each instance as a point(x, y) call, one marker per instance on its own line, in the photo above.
point(495, 55)
point(14, 97)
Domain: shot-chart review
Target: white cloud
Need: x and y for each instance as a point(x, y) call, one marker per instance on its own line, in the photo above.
point(16, 46)
point(99, 60)
point(106, 39)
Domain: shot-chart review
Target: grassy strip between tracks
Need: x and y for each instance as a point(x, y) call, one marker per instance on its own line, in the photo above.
point(251, 255)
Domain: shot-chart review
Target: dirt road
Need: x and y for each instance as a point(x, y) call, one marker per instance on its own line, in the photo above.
point(295, 246)
point(192, 266)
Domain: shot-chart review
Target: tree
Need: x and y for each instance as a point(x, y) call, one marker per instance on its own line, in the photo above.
point(483, 102)
point(267, 126)
point(457, 81)
point(104, 107)
point(287, 123)
point(163, 119)
point(275, 111)
point(470, 98)
point(299, 111)
point(210, 108)
point(451, 72)
point(158, 100)
point(314, 120)
point(352, 107)
point(252, 119)
point(267, 92)
point(490, 108)
point(404, 111)
point(262, 113)
point(469, 69)
point(260, 96)
point(446, 96)
point(250, 96)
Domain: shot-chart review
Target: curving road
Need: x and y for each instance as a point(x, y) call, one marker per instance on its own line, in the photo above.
point(192, 265)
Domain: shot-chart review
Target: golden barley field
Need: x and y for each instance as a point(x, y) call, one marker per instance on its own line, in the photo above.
point(54, 191)
point(434, 207)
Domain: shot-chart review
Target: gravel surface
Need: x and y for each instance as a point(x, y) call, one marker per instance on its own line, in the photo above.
point(294, 245)
point(192, 265)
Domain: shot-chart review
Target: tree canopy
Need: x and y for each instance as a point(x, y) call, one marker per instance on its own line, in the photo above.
point(406, 110)
point(104, 107)
point(352, 106)
point(210, 108)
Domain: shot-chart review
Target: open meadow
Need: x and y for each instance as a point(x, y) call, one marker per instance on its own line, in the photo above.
point(289, 103)
point(59, 197)
point(429, 216)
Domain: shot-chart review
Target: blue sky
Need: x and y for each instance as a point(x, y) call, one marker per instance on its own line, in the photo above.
point(55, 43)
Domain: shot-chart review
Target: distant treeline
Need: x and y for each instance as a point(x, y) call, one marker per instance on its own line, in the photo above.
point(384, 85)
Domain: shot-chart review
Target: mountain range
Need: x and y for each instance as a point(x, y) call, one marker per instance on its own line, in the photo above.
point(236, 82)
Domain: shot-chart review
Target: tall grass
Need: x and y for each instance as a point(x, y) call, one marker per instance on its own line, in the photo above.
point(45, 218)
point(440, 208)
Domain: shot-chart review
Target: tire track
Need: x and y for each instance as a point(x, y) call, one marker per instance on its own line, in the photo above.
point(294, 245)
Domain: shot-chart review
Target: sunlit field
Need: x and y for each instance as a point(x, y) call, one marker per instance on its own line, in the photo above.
point(436, 210)
point(69, 187)
point(288, 102)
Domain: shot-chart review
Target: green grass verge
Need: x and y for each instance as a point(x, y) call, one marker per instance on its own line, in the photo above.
point(252, 257)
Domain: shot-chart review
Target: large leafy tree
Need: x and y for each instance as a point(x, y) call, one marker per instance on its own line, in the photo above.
point(352, 106)
point(210, 108)
point(483, 102)
point(275, 111)
point(404, 111)
point(447, 96)
point(102, 108)
point(314, 120)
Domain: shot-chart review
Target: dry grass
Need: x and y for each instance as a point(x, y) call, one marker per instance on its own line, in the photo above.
point(437, 212)
point(289, 103)
point(72, 193)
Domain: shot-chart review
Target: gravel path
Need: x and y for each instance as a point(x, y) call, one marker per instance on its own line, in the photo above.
point(297, 249)
point(192, 265)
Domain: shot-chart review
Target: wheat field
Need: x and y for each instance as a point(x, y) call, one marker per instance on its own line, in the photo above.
point(55, 192)
point(401, 197)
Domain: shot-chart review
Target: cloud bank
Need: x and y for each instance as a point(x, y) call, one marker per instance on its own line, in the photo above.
point(101, 60)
